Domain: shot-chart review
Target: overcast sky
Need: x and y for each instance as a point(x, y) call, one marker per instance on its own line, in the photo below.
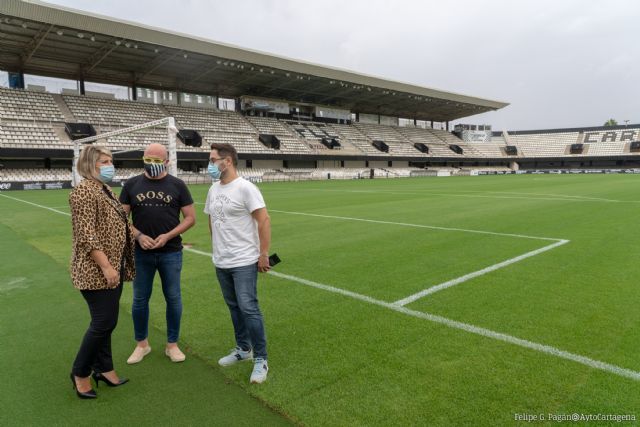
point(559, 63)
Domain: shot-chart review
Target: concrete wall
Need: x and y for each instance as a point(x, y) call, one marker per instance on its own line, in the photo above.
point(397, 164)
point(378, 164)
point(267, 164)
point(354, 164)
point(329, 164)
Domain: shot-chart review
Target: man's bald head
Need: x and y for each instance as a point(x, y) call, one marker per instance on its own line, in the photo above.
point(156, 150)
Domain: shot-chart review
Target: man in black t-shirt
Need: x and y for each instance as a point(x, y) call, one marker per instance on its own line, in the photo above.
point(155, 200)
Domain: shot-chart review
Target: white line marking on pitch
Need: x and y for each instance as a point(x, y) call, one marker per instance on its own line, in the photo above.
point(461, 279)
point(592, 363)
point(405, 224)
point(36, 205)
point(487, 195)
point(542, 348)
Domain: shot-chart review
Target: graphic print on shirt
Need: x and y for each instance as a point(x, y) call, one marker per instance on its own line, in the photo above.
point(220, 202)
point(218, 215)
point(153, 198)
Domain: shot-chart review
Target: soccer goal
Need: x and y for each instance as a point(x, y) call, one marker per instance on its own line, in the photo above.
point(168, 123)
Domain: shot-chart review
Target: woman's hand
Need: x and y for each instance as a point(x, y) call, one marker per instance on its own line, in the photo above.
point(112, 276)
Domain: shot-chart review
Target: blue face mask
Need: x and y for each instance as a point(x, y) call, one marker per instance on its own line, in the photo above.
point(214, 171)
point(107, 173)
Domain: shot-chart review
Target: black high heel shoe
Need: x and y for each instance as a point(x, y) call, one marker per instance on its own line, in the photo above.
point(97, 376)
point(91, 394)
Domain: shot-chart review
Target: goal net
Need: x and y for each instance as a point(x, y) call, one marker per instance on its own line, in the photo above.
point(118, 142)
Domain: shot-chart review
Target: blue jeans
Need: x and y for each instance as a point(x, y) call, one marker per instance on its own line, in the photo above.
point(169, 265)
point(239, 289)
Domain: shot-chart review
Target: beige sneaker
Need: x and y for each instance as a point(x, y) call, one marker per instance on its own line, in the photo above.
point(138, 354)
point(175, 354)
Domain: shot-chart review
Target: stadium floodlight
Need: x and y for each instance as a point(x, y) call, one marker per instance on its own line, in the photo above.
point(172, 130)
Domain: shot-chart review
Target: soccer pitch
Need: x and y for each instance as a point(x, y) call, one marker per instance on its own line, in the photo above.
point(432, 301)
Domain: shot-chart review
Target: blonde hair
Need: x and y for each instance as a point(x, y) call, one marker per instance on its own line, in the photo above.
point(89, 156)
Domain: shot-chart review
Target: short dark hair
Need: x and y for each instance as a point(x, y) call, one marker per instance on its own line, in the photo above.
point(226, 150)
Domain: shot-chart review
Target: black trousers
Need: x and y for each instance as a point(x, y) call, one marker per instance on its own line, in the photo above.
point(95, 350)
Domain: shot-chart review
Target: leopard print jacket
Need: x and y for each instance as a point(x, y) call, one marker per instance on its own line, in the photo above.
point(99, 222)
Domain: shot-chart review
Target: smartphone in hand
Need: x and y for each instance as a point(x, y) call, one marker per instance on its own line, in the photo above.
point(273, 260)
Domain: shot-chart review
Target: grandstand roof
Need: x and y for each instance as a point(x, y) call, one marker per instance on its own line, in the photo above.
point(43, 39)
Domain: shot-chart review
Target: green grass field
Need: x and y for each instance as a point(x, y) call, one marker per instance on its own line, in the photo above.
point(554, 333)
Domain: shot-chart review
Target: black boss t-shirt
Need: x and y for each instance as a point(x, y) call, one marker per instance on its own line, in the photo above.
point(155, 206)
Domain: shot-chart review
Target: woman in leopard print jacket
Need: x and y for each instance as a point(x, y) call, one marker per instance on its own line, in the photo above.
point(102, 259)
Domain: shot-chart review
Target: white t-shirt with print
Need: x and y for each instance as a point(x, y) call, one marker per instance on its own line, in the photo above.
point(234, 231)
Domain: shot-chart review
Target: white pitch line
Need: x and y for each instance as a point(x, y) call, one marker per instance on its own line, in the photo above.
point(542, 348)
point(487, 195)
point(487, 333)
point(195, 251)
point(405, 224)
point(461, 279)
point(35, 204)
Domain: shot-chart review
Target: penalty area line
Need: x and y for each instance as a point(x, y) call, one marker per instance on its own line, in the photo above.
point(487, 333)
point(466, 277)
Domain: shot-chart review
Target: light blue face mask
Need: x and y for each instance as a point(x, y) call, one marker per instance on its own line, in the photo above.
point(214, 171)
point(107, 173)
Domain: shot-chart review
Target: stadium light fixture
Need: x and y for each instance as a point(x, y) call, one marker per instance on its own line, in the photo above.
point(93, 38)
point(127, 45)
point(80, 35)
point(118, 42)
point(60, 32)
point(24, 25)
point(185, 56)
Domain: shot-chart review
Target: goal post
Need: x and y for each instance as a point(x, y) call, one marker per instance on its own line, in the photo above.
point(168, 122)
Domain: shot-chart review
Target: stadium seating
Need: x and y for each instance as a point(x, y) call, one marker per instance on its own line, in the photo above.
point(35, 120)
point(111, 112)
point(25, 175)
point(17, 134)
point(18, 104)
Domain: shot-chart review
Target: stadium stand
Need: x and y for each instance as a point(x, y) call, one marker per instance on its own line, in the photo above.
point(29, 134)
point(111, 112)
point(16, 104)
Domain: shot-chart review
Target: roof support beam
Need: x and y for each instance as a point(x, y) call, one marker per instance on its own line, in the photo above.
point(100, 55)
point(157, 63)
point(34, 44)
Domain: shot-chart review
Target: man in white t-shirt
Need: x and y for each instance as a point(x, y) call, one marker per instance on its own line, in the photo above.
point(241, 233)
